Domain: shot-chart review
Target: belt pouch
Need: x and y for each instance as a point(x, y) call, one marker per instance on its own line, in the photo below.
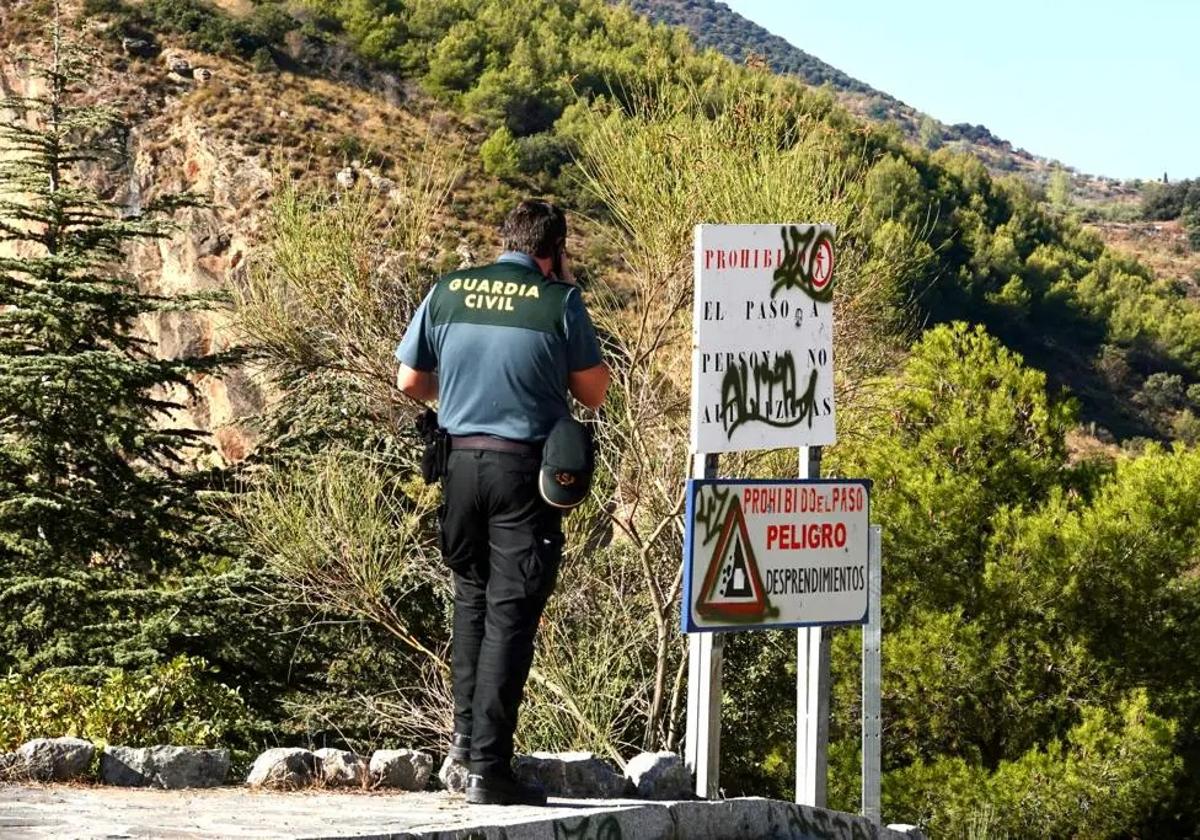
point(436, 456)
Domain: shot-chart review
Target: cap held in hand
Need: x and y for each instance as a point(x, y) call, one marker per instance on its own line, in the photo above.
point(567, 464)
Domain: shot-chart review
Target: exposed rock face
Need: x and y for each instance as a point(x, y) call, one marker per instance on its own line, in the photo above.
point(178, 65)
point(340, 768)
point(577, 775)
point(8, 765)
point(659, 775)
point(381, 184)
point(139, 47)
point(53, 759)
point(172, 151)
point(283, 768)
point(207, 253)
point(164, 767)
point(403, 769)
point(453, 775)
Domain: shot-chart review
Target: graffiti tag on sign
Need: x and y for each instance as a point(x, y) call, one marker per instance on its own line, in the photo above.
point(787, 552)
point(766, 393)
point(762, 361)
point(807, 262)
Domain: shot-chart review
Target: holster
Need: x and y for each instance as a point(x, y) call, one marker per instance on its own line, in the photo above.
point(436, 457)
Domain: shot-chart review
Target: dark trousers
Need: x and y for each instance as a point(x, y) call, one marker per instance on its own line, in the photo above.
point(504, 545)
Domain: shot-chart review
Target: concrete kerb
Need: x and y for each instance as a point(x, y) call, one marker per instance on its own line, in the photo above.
point(748, 818)
point(39, 812)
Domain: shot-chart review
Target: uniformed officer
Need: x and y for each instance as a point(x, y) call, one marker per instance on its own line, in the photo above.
point(500, 346)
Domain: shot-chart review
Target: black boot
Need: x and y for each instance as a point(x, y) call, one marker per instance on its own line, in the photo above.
point(460, 748)
point(503, 790)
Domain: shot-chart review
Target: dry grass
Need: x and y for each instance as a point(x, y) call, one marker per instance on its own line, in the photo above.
point(1161, 246)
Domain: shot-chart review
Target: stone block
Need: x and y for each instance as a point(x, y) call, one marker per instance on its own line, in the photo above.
point(403, 769)
point(283, 768)
point(575, 775)
point(54, 759)
point(8, 764)
point(660, 775)
point(341, 768)
point(167, 767)
point(453, 775)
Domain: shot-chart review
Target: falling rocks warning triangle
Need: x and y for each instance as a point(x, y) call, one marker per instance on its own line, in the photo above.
point(733, 589)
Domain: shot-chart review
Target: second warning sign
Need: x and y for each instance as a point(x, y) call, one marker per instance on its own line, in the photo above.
point(775, 553)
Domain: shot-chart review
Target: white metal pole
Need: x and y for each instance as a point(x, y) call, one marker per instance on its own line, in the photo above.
point(702, 739)
point(812, 689)
point(872, 721)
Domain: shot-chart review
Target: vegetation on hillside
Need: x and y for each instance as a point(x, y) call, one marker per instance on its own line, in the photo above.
point(1034, 684)
point(1181, 200)
point(1050, 289)
point(714, 25)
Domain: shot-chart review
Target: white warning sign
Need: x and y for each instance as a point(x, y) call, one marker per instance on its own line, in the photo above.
point(762, 337)
point(775, 553)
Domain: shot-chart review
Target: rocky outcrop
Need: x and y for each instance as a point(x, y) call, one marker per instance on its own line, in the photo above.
point(171, 151)
point(165, 767)
point(575, 775)
point(283, 768)
point(206, 253)
point(403, 769)
point(139, 47)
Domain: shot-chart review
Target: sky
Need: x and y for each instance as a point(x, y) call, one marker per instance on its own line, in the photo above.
point(1108, 88)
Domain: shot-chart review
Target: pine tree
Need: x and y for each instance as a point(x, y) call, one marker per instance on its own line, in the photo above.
point(97, 498)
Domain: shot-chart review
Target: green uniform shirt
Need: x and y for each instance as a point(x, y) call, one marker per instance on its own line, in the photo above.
point(503, 339)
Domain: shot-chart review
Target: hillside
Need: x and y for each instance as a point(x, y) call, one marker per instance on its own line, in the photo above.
point(713, 24)
point(322, 101)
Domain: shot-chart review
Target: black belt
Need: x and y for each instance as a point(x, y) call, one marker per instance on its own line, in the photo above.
point(495, 444)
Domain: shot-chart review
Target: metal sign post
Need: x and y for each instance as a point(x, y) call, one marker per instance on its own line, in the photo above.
point(812, 689)
point(872, 722)
point(702, 741)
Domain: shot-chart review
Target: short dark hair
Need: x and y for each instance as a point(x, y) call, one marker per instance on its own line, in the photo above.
point(534, 227)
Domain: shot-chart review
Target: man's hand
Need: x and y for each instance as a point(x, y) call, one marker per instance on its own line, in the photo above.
point(419, 384)
point(590, 385)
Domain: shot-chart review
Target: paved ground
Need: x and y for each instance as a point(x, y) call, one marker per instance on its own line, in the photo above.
point(39, 812)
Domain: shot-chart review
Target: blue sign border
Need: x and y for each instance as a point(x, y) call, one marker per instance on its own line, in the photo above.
point(693, 486)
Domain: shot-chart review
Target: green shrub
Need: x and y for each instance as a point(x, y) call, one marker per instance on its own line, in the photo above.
point(1185, 427)
point(263, 60)
point(101, 7)
point(1162, 392)
point(1096, 783)
point(176, 702)
point(204, 27)
point(500, 154)
point(543, 152)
